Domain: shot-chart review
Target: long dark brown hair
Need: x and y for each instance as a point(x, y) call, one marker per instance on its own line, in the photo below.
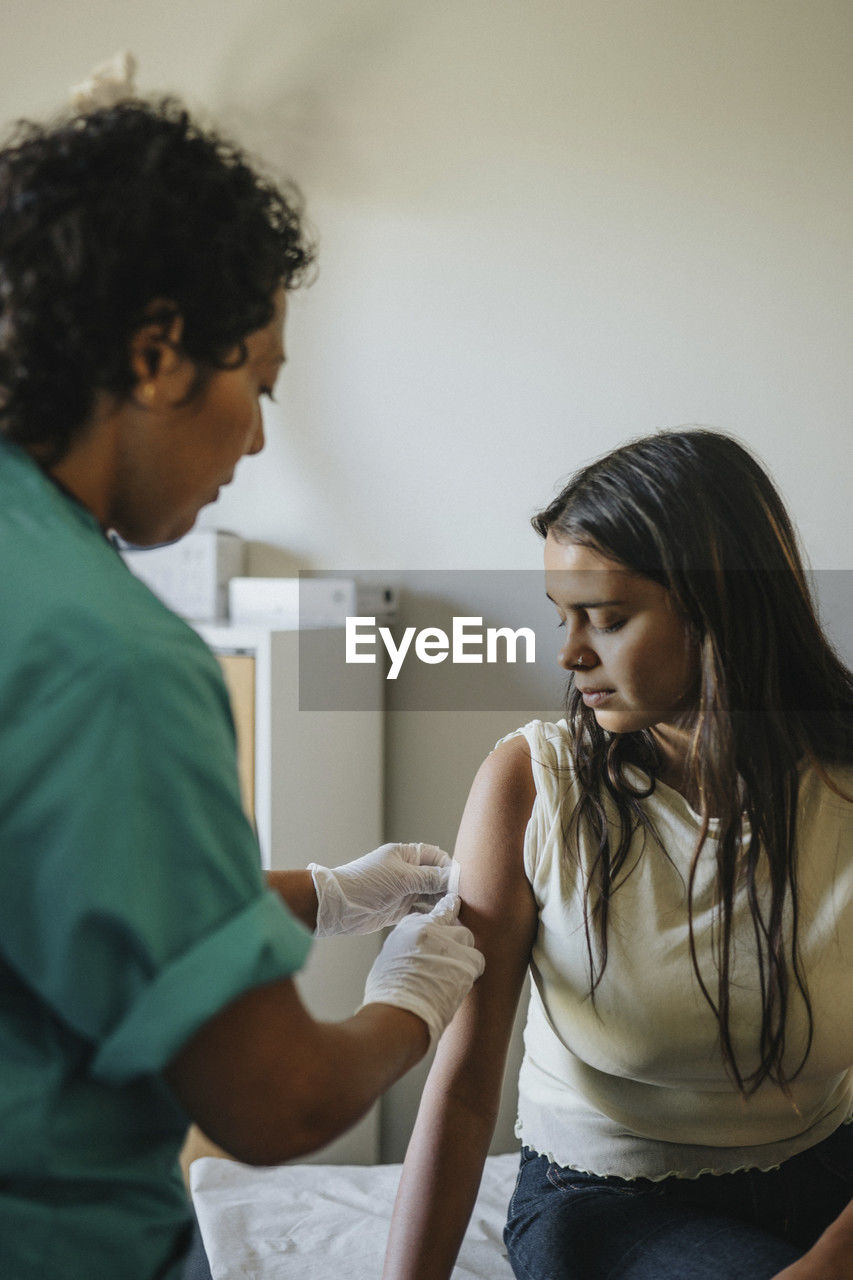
point(694, 511)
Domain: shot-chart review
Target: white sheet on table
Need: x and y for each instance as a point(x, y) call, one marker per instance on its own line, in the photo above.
point(321, 1222)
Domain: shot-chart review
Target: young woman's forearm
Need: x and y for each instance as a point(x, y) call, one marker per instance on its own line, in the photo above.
point(830, 1257)
point(839, 1234)
point(438, 1188)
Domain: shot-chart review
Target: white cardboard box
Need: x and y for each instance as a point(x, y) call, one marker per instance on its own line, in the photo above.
point(191, 575)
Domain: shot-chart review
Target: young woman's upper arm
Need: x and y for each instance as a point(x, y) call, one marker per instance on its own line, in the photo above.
point(490, 841)
point(497, 900)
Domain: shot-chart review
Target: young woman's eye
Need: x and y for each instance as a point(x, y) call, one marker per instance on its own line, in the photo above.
point(614, 626)
point(267, 391)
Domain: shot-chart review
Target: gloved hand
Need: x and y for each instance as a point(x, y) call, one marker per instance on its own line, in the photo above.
point(378, 889)
point(427, 965)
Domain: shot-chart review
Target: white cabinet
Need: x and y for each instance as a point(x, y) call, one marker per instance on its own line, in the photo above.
point(313, 783)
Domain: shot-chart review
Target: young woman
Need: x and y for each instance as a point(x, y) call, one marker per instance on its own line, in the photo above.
point(673, 862)
point(145, 969)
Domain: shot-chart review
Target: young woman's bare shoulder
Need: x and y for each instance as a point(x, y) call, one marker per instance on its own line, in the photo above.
point(490, 850)
point(507, 772)
point(501, 798)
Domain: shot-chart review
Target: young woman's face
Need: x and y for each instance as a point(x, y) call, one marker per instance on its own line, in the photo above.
point(628, 648)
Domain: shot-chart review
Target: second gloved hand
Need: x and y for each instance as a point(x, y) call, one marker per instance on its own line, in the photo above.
point(428, 965)
point(378, 889)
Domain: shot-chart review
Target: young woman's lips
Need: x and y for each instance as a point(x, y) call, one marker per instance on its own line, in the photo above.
point(596, 697)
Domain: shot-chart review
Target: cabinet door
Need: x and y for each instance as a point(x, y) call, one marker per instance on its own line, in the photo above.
point(239, 672)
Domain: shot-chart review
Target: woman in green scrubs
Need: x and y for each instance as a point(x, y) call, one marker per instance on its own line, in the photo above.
point(145, 965)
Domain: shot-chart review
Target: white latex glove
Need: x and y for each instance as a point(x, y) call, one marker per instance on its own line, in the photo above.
point(378, 889)
point(428, 965)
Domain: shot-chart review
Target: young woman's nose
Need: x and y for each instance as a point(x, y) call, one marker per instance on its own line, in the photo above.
point(577, 656)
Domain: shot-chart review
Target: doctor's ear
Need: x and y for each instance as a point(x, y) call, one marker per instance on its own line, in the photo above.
point(163, 373)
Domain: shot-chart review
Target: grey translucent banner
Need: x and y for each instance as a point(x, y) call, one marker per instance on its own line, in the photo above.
point(464, 640)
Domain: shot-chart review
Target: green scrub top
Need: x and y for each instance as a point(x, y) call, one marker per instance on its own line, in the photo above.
point(133, 905)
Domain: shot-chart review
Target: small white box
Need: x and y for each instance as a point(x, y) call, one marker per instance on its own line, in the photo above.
point(191, 576)
point(292, 603)
point(374, 600)
point(306, 603)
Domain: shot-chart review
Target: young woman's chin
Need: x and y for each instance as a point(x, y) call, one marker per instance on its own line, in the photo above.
point(615, 719)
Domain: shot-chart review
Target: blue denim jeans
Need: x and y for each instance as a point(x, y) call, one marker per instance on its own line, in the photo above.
point(565, 1225)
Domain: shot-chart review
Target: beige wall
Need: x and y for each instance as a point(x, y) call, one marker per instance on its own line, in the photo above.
point(544, 227)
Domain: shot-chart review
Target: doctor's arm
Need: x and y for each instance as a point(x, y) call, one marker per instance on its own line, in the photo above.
point(369, 893)
point(444, 1162)
point(267, 1081)
point(296, 889)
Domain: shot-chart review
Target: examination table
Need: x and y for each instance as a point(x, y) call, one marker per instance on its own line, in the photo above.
point(322, 1222)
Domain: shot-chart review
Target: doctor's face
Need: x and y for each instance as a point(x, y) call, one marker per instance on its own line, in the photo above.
point(625, 643)
point(181, 458)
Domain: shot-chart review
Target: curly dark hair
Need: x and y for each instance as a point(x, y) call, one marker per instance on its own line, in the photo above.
point(102, 215)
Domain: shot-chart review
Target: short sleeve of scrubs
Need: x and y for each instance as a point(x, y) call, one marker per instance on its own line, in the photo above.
point(135, 906)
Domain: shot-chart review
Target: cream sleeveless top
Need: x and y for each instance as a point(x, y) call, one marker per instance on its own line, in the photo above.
point(634, 1084)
